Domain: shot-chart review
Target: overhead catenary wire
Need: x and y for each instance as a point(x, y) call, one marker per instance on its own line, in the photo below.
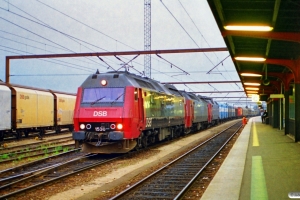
point(198, 31)
point(43, 24)
point(213, 87)
point(217, 64)
point(193, 22)
point(163, 73)
point(26, 44)
point(84, 24)
point(50, 74)
point(201, 71)
point(195, 25)
point(34, 33)
point(71, 37)
point(186, 31)
point(47, 26)
point(186, 73)
point(81, 67)
point(106, 63)
point(31, 40)
point(126, 64)
point(40, 49)
point(179, 23)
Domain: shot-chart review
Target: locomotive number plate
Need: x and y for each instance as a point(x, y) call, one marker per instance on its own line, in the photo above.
point(101, 128)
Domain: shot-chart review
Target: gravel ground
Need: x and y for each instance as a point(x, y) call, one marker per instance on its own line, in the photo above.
point(107, 180)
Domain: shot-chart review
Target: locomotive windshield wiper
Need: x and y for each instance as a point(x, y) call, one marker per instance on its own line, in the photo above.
point(116, 99)
point(97, 100)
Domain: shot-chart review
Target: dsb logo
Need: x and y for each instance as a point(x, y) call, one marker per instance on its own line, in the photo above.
point(100, 113)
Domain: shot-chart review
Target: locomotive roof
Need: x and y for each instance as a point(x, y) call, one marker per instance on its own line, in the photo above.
point(190, 95)
point(121, 79)
point(208, 99)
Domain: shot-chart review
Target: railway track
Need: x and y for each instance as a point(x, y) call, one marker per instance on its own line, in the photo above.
point(33, 178)
point(16, 155)
point(35, 144)
point(11, 174)
point(14, 185)
point(174, 179)
point(39, 152)
point(16, 137)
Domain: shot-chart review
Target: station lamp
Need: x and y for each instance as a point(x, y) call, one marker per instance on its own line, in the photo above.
point(251, 59)
point(248, 28)
point(251, 88)
point(253, 84)
point(251, 92)
point(251, 74)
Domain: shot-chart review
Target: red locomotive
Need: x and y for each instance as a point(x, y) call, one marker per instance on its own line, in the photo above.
point(116, 112)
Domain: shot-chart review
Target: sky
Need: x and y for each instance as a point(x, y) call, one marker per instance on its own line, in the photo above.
point(79, 26)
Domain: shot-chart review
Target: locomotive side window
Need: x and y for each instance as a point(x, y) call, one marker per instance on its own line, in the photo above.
point(136, 94)
point(99, 95)
point(152, 98)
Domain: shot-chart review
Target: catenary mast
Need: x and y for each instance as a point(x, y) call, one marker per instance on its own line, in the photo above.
point(147, 37)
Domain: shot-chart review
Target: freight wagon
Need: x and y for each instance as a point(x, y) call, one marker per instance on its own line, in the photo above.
point(26, 109)
point(223, 111)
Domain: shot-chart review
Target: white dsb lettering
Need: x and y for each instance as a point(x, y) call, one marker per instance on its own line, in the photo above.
point(100, 113)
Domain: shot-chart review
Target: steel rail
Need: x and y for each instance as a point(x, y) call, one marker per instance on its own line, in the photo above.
point(13, 137)
point(139, 183)
point(38, 152)
point(186, 188)
point(20, 146)
point(51, 179)
point(14, 170)
point(36, 172)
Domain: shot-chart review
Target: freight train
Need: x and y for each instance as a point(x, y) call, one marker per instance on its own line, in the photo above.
point(116, 112)
point(25, 110)
point(228, 112)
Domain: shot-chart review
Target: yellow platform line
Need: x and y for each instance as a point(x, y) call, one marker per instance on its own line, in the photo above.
point(258, 182)
point(255, 141)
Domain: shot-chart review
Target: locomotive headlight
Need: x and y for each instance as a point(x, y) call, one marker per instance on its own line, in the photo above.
point(112, 126)
point(88, 126)
point(103, 82)
point(119, 126)
point(82, 126)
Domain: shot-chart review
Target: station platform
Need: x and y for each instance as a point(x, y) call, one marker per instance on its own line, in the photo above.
point(263, 164)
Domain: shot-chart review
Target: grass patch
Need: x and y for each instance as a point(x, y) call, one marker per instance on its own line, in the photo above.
point(66, 149)
point(4, 156)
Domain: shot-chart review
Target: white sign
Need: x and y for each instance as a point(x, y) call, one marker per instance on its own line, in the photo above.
point(100, 113)
point(255, 98)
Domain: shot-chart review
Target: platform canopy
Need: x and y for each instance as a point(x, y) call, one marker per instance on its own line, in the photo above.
point(263, 38)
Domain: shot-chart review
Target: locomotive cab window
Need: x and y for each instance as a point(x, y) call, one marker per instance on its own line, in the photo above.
point(102, 95)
